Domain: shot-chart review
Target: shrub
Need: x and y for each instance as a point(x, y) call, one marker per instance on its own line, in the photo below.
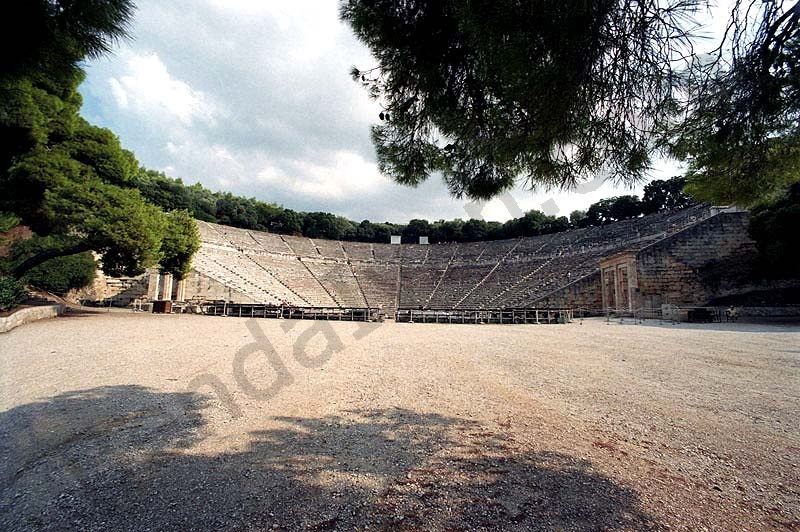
point(62, 274)
point(11, 293)
point(774, 228)
point(58, 275)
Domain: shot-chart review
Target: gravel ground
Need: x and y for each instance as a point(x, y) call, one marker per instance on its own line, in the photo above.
point(127, 421)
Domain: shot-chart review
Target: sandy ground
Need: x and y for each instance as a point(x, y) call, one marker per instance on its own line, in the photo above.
point(128, 421)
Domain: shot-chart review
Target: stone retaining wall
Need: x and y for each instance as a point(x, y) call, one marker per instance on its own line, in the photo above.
point(30, 314)
point(674, 269)
point(581, 294)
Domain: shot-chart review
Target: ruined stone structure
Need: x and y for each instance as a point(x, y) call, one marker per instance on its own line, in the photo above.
point(695, 266)
point(113, 291)
point(677, 258)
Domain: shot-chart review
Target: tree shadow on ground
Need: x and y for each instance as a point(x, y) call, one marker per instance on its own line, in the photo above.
point(121, 458)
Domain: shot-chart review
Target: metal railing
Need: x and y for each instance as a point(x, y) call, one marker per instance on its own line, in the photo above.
point(261, 310)
point(482, 316)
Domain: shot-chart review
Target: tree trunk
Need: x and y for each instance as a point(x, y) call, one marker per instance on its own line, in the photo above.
point(46, 255)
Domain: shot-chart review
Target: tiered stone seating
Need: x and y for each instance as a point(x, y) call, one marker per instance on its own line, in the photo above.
point(458, 280)
point(386, 252)
point(339, 281)
point(293, 273)
point(502, 279)
point(417, 283)
point(210, 233)
point(441, 253)
point(536, 280)
point(498, 250)
point(240, 239)
point(507, 278)
point(515, 272)
point(271, 243)
point(548, 276)
point(469, 252)
point(379, 283)
point(301, 246)
point(358, 251)
point(331, 249)
point(227, 268)
point(536, 246)
point(414, 253)
point(639, 232)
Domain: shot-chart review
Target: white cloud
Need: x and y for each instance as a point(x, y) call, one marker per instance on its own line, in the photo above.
point(148, 88)
point(346, 175)
point(119, 93)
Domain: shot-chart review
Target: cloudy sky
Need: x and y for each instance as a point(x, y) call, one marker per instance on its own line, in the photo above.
point(255, 97)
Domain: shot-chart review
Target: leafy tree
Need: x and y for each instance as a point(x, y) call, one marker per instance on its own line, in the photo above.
point(59, 174)
point(494, 231)
point(774, 228)
point(384, 231)
point(532, 223)
point(613, 210)
point(12, 293)
point(180, 242)
point(158, 189)
point(267, 214)
point(58, 275)
point(554, 92)
point(415, 229)
point(203, 203)
point(666, 195)
point(326, 225)
point(52, 37)
point(58, 188)
point(474, 230)
point(62, 274)
point(289, 222)
point(8, 221)
point(742, 137)
point(577, 218)
point(450, 231)
point(557, 225)
point(236, 211)
point(365, 231)
point(550, 91)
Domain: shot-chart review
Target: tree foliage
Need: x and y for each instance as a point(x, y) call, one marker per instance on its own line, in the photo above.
point(49, 38)
point(660, 195)
point(12, 293)
point(250, 213)
point(486, 92)
point(774, 228)
point(180, 242)
point(58, 275)
point(613, 210)
point(59, 174)
point(74, 181)
point(556, 92)
point(742, 135)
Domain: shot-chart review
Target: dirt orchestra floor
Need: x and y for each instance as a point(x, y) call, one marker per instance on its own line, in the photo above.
point(128, 421)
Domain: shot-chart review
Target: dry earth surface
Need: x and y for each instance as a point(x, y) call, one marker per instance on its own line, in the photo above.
point(128, 421)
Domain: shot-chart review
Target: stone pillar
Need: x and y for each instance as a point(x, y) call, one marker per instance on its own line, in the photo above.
point(633, 284)
point(166, 292)
point(153, 286)
point(603, 290)
point(620, 270)
point(180, 291)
